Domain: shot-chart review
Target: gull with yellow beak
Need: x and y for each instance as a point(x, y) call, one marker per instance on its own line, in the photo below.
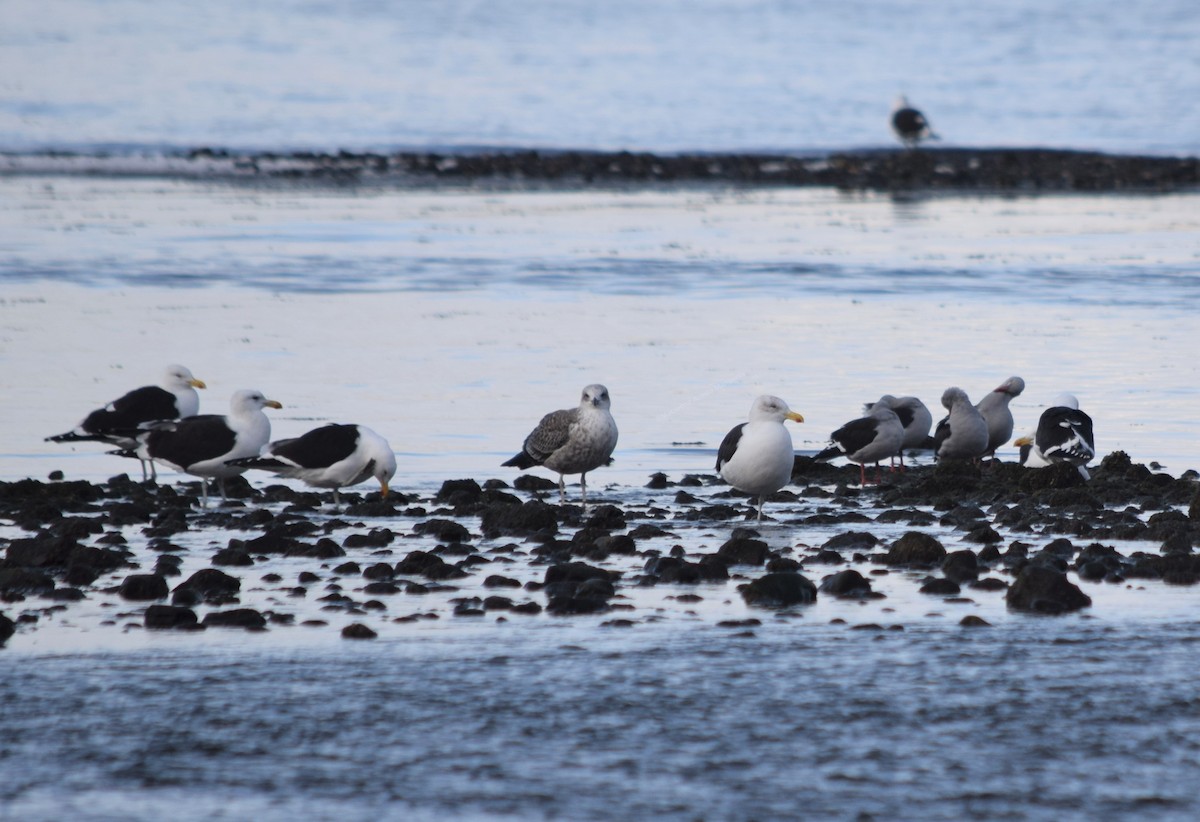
point(204, 445)
point(119, 422)
point(333, 456)
point(756, 457)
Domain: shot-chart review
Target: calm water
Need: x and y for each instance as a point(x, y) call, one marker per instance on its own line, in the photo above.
point(450, 319)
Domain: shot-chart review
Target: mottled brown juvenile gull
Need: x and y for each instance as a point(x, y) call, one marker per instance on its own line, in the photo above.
point(333, 456)
point(204, 445)
point(572, 441)
point(1064, 434)
point(910, 124)
point(877, 436)
point(756, 457)
point(914, 416)
point(994, 410)
point(963, 435)
point(119, 422)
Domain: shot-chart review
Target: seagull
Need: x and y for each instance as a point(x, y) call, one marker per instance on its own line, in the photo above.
point(203, 445)
point(119, 422)
point(333, 456)
point(994, 410)
point(572, 441)
point(872, 438)
point(1064, 434)
point(964, 433)
point(914, 416)
point(910, 124)
point(756, 457)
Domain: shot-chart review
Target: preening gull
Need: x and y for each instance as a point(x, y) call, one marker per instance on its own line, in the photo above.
point(963, 435)
point(910, 124)
point(877, 436)
point(994, 410)
point(756, 457)
point(572, 441)
point(333, 456)
point(204, 445)
point(119, 422)
point(1064, 434)
point(914, 416)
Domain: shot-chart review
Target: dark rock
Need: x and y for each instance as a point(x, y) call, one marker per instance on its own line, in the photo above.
point(232, 556)
point(779, 591)
point(529, 518)
point(497, 581)
point(972, 621)
point(444, 530)
point(1046, 591)
point(208, 585)
point(848, 584)
point(915, 549)
point(24, 581)
point(430, 566)
point(381, 588)
point(7, 629)
point(357, 630)
point(851, 541)
point(459, 492)
point(940, 586)
point(744, 551)
point(960, 566)
point(141, 587)
point(166, 617)
point(375, 538)
point(247, 618)
point(378, 571)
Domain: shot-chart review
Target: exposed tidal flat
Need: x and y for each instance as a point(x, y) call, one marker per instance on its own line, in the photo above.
point(450, 320)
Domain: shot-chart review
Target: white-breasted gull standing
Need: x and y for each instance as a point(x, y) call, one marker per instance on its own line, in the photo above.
point(119, 422)
point(995, 412)
point(335, 456)
point(877, 436)
point(963, 434)
point(572, 441)
point(1064, 434)
point(204, 445)
point(756, 457)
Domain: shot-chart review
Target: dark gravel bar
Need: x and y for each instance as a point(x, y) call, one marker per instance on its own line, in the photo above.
point(985, 170)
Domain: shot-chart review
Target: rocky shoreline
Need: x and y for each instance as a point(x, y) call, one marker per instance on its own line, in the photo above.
point(494, 550)
point(976, 170)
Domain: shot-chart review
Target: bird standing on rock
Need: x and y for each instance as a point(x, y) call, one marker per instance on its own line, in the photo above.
point(877, 436)
point(910, 124)
point(333, 456)
point(119, 422)
point(756, 457)
point(914, 416)
point(963, 434)
point(572, 441)
point(204, 445)
point(994, 410)
point(1064, 434)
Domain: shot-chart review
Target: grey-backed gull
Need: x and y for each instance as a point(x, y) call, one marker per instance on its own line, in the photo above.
point(994, 410)
point(877, 436)
point(963, 434)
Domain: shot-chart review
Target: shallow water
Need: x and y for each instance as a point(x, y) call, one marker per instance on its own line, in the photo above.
point(670, 75)
point(450, 320)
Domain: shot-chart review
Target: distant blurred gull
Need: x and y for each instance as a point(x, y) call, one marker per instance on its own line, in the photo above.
point(963, 434)
point(1064, 434)
point(333, 456)
point(203, 445)
point(877, 436)
point(757, 457)
point(910, 124)
point(119, 422)
point(572, 441)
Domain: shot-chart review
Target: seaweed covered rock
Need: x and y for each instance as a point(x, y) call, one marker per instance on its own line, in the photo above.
point(1044, 590)
point(780, 590)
